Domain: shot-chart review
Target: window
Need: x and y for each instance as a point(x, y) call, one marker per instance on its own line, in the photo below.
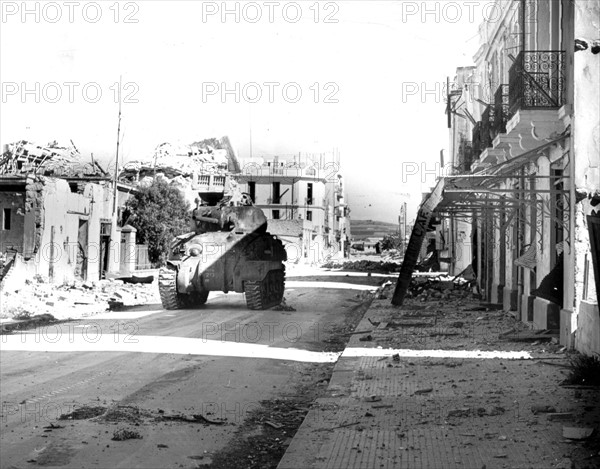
point(309, 193)
point(252, 190)
point(309, 215)
point(6, 219)
point(275, 214)
point(276, 192)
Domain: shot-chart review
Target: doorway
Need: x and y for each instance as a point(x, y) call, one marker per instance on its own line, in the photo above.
point(82, 250)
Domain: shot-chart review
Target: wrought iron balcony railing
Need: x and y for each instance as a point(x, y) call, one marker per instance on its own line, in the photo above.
point(537, 80)
point(500, 110)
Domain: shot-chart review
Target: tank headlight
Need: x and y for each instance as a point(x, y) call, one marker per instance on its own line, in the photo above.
point(195, 251)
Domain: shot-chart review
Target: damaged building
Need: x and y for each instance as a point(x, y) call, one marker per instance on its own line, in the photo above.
point(194, 168)
point(521, 202)
point(57, 216)
point(303, 198)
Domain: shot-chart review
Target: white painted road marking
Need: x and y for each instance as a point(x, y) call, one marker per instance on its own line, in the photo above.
point(338, 285)
point(206, 347)
point(406, 353)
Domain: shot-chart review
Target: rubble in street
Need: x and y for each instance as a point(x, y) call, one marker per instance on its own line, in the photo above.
point(440, 287)
point(364, 265)
point(73, 299)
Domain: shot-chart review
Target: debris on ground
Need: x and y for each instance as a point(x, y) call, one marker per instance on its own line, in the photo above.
point(196, 418)
point(273, 424)
point(266, 433)
point(577, 433)
point(124, 434)
point(83, 413)
point(24, 320)
point(283, 306)
point(74, 298)
point(542, 409)
point(423, 391)
point(126, 413)
point(364, 265)
point(439, 287)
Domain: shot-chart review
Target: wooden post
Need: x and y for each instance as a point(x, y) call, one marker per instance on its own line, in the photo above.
point(416, 241)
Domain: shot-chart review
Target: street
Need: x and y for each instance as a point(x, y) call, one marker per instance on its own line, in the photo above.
point(184, 408)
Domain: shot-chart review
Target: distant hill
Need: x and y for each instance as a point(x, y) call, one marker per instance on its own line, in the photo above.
point(362, 229)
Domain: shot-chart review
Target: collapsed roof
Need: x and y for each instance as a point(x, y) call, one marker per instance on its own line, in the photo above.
point(23, 157)
point(173, 160)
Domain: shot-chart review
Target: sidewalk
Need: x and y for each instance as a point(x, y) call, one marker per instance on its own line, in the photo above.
point(404, 411)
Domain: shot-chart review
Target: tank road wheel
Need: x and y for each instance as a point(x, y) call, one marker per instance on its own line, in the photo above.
point(266, 293)
point(167, 287)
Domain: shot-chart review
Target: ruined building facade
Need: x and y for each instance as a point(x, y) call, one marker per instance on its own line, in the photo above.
point(57, 214)
point(521, 202)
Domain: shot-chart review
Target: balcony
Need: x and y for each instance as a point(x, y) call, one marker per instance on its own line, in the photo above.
point(537, 80)
point(208, 183)
point(536, 96)
point(276, 170)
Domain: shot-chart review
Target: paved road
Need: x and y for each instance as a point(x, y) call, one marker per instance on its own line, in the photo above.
point(151, 363)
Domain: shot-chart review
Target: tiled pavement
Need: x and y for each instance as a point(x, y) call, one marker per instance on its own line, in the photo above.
point(426, 413)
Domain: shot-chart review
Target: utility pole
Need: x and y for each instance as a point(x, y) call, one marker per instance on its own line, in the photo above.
point(250, 126)
point(116, 243)
point(117, 155)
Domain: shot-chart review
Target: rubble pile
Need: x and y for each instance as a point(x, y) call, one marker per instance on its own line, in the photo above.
point(424, 288)
point(179, 162)
point(365, 265)
point(74, 298)
point(392, 255)
point(53, 159)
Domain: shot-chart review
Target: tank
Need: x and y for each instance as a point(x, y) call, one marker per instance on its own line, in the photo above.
point(228, 250)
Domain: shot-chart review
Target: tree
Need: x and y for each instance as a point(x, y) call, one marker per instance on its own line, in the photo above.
point(159, 212)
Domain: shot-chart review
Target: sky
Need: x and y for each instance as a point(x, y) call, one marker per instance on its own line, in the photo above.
point(279, 78)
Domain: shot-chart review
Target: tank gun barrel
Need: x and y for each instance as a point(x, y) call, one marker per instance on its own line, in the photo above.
point(214, 221)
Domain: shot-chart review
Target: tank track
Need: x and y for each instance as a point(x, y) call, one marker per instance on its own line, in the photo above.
point(266, 293)
point(170, 298)
point(167, 287)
